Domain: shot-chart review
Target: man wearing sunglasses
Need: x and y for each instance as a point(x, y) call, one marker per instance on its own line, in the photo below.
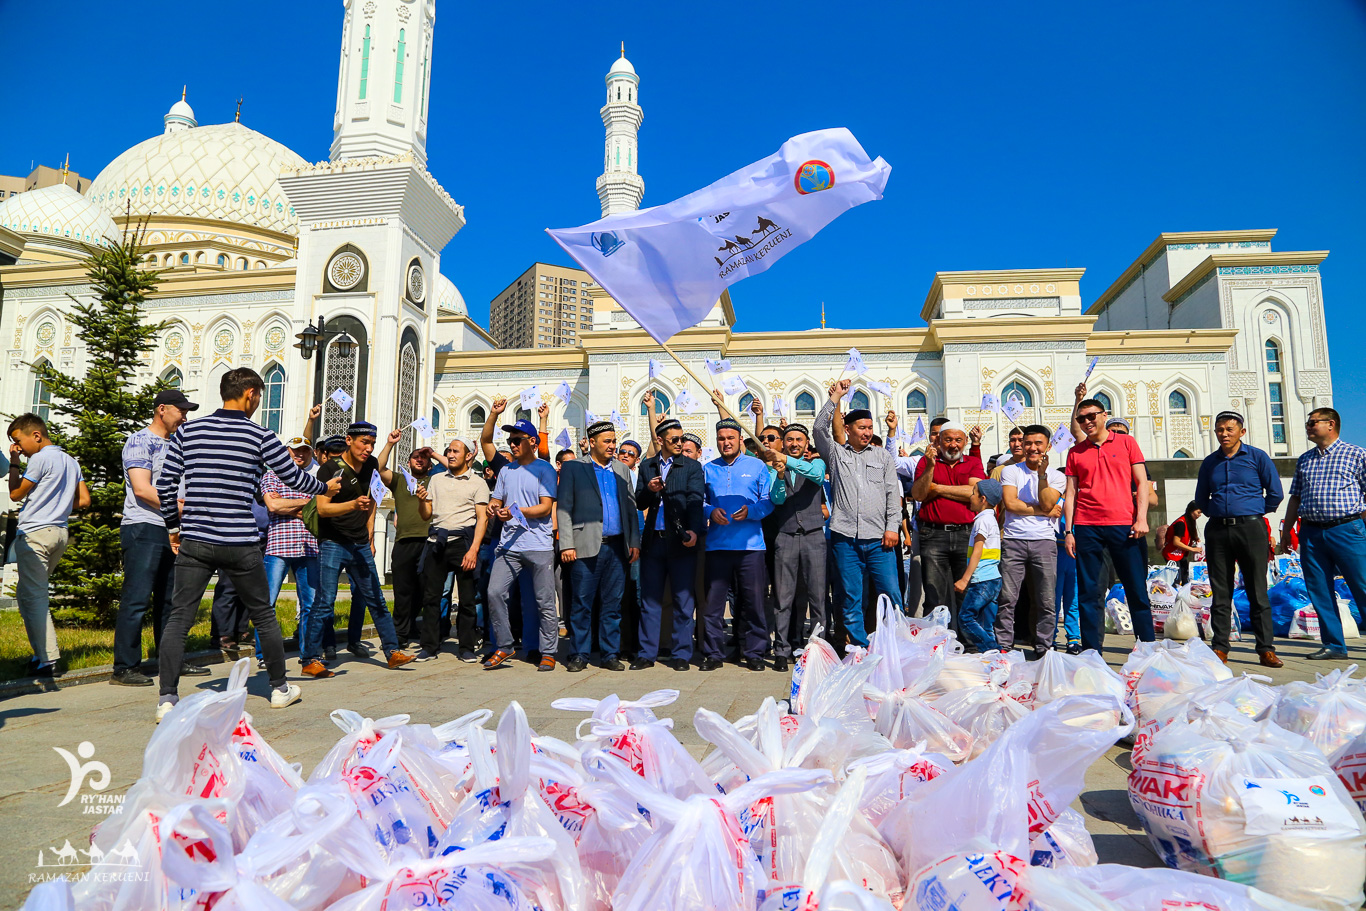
point(1328, 496)
point(1106, 507)
point(523, 500)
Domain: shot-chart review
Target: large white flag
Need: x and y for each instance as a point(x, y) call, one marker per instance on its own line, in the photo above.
point(667, 265)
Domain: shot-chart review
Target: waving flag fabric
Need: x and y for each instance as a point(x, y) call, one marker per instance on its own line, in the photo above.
point(667, 265)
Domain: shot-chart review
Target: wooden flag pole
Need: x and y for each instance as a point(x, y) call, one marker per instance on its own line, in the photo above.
point(701, 382)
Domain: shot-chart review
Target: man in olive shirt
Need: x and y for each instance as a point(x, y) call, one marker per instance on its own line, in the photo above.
point(458, 500)
point(411, 515)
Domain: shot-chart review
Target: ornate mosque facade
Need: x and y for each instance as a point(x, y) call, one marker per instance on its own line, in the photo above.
point(257, 244)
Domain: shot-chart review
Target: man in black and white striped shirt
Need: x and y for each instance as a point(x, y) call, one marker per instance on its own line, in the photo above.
point(221, 458)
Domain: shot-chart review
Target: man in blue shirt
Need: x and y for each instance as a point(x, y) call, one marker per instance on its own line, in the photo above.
point(1238, 485)
point(599, 537)
point(1328, 495)
point(737, 500)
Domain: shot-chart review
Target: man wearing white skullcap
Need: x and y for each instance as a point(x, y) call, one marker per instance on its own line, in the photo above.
point(943, 485)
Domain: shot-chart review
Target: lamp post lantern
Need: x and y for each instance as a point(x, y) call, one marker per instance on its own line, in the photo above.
point(314, 339)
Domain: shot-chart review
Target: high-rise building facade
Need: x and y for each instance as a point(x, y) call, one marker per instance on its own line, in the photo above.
point(546, 307)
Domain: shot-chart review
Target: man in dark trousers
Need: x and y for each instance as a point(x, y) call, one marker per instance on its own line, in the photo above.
point(599, 538)
point(669, 489)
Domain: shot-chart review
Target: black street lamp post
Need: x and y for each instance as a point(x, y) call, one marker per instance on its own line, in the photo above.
point(315, 339)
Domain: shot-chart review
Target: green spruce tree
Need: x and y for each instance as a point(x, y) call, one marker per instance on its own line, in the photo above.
point(93, 416)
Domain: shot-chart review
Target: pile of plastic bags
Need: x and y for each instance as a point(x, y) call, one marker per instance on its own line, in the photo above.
point(904, 776)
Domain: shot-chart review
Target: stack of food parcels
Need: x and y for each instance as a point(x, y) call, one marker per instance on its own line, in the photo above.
point(905, 776)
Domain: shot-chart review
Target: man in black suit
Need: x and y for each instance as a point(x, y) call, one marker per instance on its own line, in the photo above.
point(670, 491)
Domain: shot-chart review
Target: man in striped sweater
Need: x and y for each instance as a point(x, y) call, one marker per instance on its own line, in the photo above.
point(221, 458)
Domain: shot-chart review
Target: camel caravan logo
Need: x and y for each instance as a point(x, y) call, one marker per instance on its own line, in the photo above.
point(742, 244)
point(122, 864)
point(98, 773)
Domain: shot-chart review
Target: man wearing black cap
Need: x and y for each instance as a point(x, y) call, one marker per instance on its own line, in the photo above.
point(670, 490)
point(1236, 486)
point(738, 497)
point(599, 538)
point(148, 561)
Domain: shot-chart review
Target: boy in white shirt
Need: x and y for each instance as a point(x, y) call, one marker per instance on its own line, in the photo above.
point(1032, 493)
point(981, 581)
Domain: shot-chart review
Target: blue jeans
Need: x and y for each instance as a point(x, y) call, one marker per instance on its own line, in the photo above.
point(603, 574)
point(1325, 552)
point(854, 557)
point(360, 567)
point(305, 586)
point(1067, 595)
point(148, 572)
point(977, 614)
point(1131, 565)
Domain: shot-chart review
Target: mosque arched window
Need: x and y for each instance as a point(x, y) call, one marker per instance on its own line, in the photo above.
point(662, 403)
point(1177, 403)
point(273, 399)
point(1021, 392)
point(223, 260)
point(184, 259)
point(916, 401)
point(860, 400)
point(1105, 403)
point(745, 401)
point(408, 375)
point(477, 417)
point(41, 403)
point(364, 62)
point(398, 68)
point(805, 406)
point(1273, 357)
point(173, 378)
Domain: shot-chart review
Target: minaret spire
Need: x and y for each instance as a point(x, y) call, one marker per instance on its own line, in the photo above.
point(620, 188)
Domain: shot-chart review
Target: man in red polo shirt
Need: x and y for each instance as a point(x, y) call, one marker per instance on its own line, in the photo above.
point(944, 517)
point(1106, 505)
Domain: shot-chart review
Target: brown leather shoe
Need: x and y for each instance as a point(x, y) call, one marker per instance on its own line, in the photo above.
point(317, 670)
point(1223, 655)
point(1269, 659)
point(398, 659)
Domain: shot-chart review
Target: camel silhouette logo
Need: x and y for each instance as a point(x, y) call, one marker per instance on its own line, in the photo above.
point(740, 242)
point(124, 855)
point(606, 242)
point(98, 771)
point(814, 176)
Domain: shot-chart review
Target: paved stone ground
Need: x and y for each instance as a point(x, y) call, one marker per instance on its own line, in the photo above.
point(117, 721)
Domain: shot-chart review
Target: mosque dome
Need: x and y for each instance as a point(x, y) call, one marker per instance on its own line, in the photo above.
point(621, 66)
point(58, 213)
point(223, 172)
point(448, 296)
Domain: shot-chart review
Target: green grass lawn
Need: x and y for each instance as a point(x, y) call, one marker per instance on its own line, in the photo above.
point(95, 647)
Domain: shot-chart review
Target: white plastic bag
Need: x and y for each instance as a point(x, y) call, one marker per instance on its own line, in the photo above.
point(1135, 889)
point(270, 781)
point(1059, 674)
point(1181, 622)
point(615, 710)
point(1065, 843)
point(1305, 624)
point(1252, 803)
point(1331, 711)
point(996, 880)
point(1156, 673)
point(893, 775)
point(814, 663)
point(984, 711)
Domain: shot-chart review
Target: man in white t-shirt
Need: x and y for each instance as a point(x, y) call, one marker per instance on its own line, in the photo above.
point(1029, 547)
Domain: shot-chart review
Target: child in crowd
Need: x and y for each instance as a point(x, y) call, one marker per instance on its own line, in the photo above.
point(981, 581)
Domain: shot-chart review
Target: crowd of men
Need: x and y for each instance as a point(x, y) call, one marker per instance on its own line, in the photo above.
point(637, 554)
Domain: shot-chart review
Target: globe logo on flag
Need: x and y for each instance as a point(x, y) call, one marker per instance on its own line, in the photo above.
point(607, 243)
point(814, 176)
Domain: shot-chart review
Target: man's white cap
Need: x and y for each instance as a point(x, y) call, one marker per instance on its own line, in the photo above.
point(953, 425)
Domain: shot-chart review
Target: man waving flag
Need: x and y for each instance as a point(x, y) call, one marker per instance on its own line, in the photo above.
point(667, 265)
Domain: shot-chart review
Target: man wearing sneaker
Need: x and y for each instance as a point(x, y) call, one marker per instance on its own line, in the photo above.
point(599, 538)
point(523, 499)
point(670, 489)
point(148, 562)
point(1032, 494)
point(1236, 487)
point(220, 457)
point(346, 541)
point(459, 501)
point(1328, 496)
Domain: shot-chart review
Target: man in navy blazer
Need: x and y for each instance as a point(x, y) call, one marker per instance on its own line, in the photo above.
point(669, 489)
point(599, 538)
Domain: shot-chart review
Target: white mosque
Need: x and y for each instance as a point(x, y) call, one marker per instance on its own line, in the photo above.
point(257, 245)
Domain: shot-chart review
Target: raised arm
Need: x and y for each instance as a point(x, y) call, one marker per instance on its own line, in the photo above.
point(543, 431)
point(386, 474)
point(486, 435)
point(313, 414)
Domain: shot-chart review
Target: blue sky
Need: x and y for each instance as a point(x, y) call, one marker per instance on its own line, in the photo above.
point(1020, 135)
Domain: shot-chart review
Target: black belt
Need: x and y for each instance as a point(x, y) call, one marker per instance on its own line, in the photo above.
point(1233, 520)
point(1331, 523)
point(946, 526)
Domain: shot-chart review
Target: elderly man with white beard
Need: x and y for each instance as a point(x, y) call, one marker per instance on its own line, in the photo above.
point(943, 484)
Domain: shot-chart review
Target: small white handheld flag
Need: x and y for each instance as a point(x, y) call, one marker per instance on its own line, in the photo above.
point(617, 420)
point(715, 367)
point(499, 435)
point(1062, 439)
point(919, 435)
point(779, 407)
point(733, 385)
point(667, 265)
point(686, 403)
point(562, 392)
point(991, 402)
point(855, 363)
point(589, 417)
point(1089, 367)
point(423, 428)
point(343, 399)
point(848, 398)
point(410, 481)
point(708, 454)
point(880, 387)
point(517, 518)
point(655, 368)
point(531, 398)
point(377, 488)
point(563, 440)
point(1013, 408)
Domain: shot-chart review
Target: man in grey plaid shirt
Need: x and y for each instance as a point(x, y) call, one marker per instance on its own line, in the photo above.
point(1328, 496)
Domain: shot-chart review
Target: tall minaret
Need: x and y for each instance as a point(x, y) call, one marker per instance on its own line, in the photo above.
point(384, 80)
point(620, 188)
